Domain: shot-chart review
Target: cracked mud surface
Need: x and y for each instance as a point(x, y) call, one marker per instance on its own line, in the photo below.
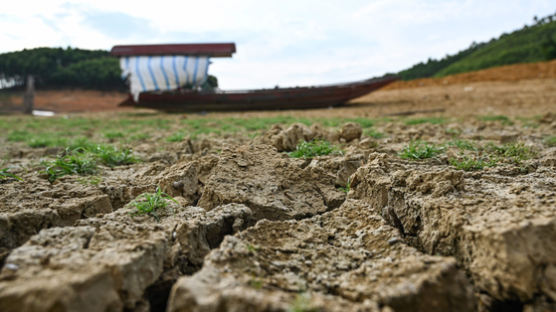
point(253, 229)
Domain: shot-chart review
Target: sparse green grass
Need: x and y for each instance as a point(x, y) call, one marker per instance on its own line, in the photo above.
point(112, 156)
point(470, 164)
point(151, 203)
point(4, 175)
point(81, 143)
point(82, 157)
point(312, 149)
point(513, 152)
point(501, 118)
point(139, 137)
point(550, 141)
point(112, 135)
point(18, 136)
point(255, 283)
point(420, 150)
point(422, 120)
point(302, 303)
point(463, 145)
point(346, 188)
point(252, 249)
point(74, 162)
point(373, 133)
point(46, 141)
point(176, 137)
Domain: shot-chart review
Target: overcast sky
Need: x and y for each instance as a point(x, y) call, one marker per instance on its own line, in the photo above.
point(284, 43)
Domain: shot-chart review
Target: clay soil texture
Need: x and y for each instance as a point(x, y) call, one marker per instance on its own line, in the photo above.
point(439, 197)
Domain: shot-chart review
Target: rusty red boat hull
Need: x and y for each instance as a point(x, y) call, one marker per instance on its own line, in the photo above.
point(261, 99)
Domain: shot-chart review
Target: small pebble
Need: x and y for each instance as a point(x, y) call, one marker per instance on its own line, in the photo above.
point(12, 266)
point(393, 240)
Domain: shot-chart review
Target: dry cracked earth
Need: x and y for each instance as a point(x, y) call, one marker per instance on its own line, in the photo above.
point(253, 229)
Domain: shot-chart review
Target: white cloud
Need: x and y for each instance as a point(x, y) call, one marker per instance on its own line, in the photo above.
point(279, 42)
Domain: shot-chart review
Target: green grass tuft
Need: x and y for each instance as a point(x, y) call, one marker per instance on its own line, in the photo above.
point(312, 149)
point(4, 175)
point(150, 203)
point(346, 188)
point(112, 135)
point(514, 152)
point(470, 164)
point(18, 136)
point(176, 137)
point(420, 150)
point(112, 156)
point(76, 162)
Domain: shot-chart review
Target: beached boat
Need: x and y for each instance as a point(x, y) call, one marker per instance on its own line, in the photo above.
point(157, 74)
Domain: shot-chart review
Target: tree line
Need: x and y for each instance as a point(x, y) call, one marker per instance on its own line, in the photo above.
point(533, 43)
point(55, 68)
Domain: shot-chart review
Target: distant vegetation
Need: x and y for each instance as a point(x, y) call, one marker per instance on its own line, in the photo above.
point(59, 68)
point(65, 68)
point(533, 43)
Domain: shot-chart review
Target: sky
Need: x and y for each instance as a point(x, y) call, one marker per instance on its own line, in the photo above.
point(285, 43)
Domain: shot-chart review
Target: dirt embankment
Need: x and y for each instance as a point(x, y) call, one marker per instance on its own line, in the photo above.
point(508, 73)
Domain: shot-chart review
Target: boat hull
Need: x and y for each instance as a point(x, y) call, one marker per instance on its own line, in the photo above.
point(262, 99)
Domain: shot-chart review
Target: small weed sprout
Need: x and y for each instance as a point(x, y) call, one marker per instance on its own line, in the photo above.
point(150, 203)
point(302, 304)
point(346, 188)
point(112, 135)
point(4, 175)
point(252, 249)
point(420, 150)
point(312, 149)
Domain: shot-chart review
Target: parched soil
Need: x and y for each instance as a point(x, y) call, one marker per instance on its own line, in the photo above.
point(463, 222)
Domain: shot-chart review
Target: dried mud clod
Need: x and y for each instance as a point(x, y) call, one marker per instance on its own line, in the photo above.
point(500, 228)
point(28, 208)
point(344, 260)
point(274, 186)
point(105, 264)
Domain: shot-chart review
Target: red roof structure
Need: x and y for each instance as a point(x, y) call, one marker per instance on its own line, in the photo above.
point(208, 49)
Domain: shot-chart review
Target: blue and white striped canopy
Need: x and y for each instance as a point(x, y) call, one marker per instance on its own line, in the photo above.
point(158, 73)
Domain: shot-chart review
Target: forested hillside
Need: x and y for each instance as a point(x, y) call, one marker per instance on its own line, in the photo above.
point(529, 44)
point(59, 68)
